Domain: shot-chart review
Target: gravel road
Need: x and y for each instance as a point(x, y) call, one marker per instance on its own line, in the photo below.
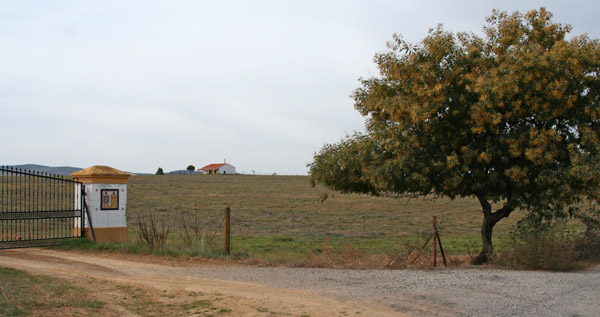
point(440, 292)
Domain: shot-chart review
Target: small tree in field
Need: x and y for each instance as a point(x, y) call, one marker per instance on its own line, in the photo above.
point(160, 171)
point(510, 118)
point(191, 168)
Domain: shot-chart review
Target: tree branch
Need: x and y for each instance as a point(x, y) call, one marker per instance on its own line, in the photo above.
point(494, 217)
point(503, 212)
point(486, 207)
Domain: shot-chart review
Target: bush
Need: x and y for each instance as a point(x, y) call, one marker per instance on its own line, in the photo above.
point(588, 244)
point(150, 233)
point(194, 238)
point(154, 235)
point(542, 246)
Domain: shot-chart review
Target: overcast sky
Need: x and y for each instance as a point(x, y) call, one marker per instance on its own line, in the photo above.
point(139, 85)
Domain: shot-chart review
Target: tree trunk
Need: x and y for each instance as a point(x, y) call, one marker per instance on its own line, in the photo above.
point(486, 240)
point(489, 221)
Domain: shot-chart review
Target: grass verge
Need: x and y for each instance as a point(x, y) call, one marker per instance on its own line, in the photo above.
point(22, 294)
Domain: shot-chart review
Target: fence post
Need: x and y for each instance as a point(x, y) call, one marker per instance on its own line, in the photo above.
point(227, 242)
point(434, 235)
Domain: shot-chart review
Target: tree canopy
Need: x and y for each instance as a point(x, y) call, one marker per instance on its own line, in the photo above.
point(512, 117)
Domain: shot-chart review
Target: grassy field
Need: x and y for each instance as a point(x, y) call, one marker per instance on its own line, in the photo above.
point(280, 219)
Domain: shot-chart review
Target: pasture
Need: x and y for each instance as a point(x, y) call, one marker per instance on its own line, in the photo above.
point(280, 218)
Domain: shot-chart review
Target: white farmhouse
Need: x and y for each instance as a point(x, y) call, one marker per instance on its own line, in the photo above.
point(222, 168)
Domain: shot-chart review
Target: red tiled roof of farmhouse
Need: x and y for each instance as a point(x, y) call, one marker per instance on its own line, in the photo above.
point(212, 167)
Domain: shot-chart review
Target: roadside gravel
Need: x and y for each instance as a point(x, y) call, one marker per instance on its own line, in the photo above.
point(441, 292)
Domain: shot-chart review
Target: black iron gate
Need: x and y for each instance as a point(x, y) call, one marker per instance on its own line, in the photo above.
point(38, 209)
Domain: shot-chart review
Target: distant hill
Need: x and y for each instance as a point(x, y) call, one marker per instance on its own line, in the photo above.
point(181, 172)
point(58, 170)
point(68, 170)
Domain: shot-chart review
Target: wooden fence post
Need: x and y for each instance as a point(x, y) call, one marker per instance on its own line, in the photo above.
point(436, 238)
point(437, 234)
point(227, 239)
point(434, 235)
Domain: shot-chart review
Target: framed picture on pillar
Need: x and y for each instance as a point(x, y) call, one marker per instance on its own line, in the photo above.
point(109, 199)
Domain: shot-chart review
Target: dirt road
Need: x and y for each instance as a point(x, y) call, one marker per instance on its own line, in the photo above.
point(260, 291)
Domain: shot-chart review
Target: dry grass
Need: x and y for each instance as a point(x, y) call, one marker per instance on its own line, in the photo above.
point(288, 205)
point(283, 219)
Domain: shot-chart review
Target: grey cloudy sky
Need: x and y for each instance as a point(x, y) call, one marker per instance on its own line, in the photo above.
point(264, 84)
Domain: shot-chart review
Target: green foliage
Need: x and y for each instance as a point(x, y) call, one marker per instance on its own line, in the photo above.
point(160, 171)
point(191, 168)
point(512, 117)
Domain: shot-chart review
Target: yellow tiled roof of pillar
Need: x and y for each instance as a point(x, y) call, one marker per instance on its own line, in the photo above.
point(99, 174)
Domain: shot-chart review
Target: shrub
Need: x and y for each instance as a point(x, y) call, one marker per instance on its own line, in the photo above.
point(542, 246)
point(588, 244)
point(194, 238)
point(150, 233)
point(412, 253)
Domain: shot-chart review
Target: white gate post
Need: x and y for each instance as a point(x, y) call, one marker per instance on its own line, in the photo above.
point(106, 197)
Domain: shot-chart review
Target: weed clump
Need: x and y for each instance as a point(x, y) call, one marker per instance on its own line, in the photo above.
point(552, 245)
point(546, 247)
point(191, 238)
point(194, 238)
point(588, 244)
point(344, 256)
point(152, 232)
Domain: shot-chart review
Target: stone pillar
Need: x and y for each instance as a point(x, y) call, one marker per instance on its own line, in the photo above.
point(106, 196)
